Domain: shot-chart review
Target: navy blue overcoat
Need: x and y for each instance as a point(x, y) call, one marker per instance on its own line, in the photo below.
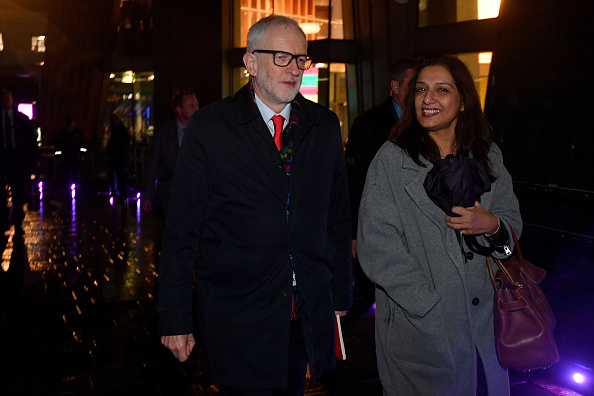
point(229, 200)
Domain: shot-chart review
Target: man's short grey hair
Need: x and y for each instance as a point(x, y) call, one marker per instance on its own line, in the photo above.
point(258, 30)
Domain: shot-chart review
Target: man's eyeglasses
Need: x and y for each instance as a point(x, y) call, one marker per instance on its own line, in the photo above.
point(284, 59)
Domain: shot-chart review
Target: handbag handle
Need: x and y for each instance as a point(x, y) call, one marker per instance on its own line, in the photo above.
point(497, 285)
point(516, 243)
point(491, 273)
point(500, 264)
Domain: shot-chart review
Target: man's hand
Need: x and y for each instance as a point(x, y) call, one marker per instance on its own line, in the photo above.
point(180, 345)
point(147, 206)
point(354, 249)
point(341, 313)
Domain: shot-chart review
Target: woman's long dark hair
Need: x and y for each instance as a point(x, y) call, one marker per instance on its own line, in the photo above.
point(473, 134)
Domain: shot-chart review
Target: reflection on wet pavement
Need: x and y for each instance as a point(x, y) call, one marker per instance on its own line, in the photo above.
point(77, 296)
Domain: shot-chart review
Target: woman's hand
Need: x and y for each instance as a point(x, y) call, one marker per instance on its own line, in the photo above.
point(473, 221)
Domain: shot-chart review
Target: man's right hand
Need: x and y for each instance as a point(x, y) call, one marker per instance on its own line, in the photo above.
point(180, 345)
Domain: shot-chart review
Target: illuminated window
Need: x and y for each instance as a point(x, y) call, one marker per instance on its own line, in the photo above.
point(479, 65)
point(319, 19)
point(310, 84)
point(488, 9)
point(131, 97)
point(437, 12)
point(27, 109)
point(38, 43)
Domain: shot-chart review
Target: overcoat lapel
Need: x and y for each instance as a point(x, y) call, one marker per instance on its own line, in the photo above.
point(416, 191)
point(246, 112)
point(173, 143)
point(307, 119)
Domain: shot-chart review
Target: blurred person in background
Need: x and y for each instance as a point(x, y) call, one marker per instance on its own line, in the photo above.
point(163, 153)
point(369, 132)
point(118, 157)
point(70, 142)
point(20, 158)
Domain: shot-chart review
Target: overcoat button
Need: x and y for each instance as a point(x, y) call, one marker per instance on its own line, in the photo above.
point(284, 293)
point(469, 255)
point(475, 301)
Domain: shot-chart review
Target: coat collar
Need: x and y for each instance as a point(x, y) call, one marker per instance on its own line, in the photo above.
point(416, 191)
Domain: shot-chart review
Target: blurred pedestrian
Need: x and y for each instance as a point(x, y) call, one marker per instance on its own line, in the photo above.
point(118, 156)
point(70, 141)
point(261, 189)
point(162, 158)
point(20, 158)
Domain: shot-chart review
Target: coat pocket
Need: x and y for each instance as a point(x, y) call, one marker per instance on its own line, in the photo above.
point(419, 340)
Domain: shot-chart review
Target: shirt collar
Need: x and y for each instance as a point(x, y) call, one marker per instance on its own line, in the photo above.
point(180, 126)
point(267, 113)
point(398, 109)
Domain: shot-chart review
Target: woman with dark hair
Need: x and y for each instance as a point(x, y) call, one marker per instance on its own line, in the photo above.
point(434, 298)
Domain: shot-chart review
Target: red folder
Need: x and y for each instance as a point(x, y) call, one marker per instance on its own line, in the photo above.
point(340, 353)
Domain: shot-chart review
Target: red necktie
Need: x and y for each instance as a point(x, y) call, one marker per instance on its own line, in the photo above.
point(278, 121)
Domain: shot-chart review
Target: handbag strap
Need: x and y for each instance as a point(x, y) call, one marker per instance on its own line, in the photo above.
point(491, 273)
point(504, 271)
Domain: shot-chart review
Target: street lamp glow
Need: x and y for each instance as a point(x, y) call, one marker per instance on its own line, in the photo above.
point(579, 378)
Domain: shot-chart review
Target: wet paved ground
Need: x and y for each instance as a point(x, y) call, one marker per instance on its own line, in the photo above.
point(77, 297)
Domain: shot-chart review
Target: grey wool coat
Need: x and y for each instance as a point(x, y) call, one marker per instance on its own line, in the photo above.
point(434, 309)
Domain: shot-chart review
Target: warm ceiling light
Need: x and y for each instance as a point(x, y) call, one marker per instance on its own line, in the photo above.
point(310, 27)
point(485, 57)
point(128, 77)
point(488, 9)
